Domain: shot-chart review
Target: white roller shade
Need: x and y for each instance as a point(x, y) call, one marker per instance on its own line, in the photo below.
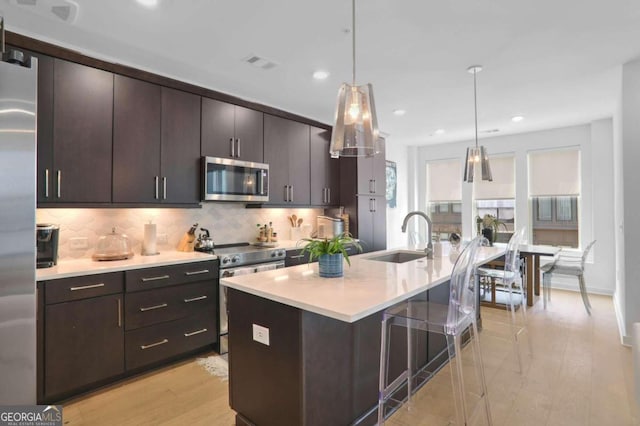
point(503, 185)
point(444, 180)
point(553, 173)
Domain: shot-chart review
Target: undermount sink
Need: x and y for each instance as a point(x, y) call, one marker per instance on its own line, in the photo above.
point(399, 257)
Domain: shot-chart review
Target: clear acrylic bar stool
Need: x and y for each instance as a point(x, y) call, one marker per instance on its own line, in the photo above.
point(515, 288)
point(453, 321)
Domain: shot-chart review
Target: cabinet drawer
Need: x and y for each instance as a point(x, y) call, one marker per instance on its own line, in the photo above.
point(145, 279)
point(150, 307)
point(152, 344)
point(67, 289)
point(294, 258)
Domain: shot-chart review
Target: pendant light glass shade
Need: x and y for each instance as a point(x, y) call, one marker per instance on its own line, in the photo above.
point(355, 127)
point(477, 157)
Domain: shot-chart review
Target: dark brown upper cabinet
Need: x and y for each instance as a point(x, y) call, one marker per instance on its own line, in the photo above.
point(372, 173)
point(180, 147)
point(286, 150)
point(325, 171)
point(80, 150)
point(231, 131)
point(156, 144)
point(136, 141)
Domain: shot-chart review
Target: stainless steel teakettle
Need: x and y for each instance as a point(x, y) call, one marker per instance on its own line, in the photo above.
point(204, 242)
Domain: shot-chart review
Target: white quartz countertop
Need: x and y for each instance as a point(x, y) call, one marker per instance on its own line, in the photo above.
point(86, 266)
point(368, 286)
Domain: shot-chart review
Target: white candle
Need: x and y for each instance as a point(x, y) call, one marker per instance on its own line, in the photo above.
point(149, 243)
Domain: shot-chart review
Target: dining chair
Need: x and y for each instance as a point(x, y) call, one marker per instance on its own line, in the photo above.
point(452, 320)
point(514, 286)
point(564, 264)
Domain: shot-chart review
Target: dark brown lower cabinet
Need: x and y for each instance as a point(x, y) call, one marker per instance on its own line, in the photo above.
point(99, 328)
point(84, 343)
point(316, 370)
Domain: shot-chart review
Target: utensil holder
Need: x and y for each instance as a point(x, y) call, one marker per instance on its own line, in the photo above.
point(296, 234)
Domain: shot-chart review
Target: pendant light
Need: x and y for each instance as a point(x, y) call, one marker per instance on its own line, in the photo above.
point(355, 129)
point(476, 156)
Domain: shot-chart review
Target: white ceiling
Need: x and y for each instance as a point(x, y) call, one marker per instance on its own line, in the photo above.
point(554, 61)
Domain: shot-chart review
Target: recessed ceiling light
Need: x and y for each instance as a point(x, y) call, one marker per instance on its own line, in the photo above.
point(517, 118)
point(148, 3)
point(439, 132)
point(399, 112)
point(321, 75)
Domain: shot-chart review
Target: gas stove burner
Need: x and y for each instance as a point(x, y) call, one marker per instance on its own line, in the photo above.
point(242, 254)
point(205, 250)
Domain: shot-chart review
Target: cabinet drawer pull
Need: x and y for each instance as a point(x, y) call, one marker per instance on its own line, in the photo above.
point(238, 148)
point(161, 277)
point(164, 187)
point(59, 183)
point(156, 195)
point(328, 195)
point(195, 299)
point(119, 312)
point(204, 271)
point(86, 287)
point(151, 345)
point(233, 148)
point(291, 192)
point(46, 183)
point(193, 333)
point(151, 308)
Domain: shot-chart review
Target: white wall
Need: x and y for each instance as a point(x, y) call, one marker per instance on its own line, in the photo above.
point(618, 196)
point(630, 147)
point(597, 184)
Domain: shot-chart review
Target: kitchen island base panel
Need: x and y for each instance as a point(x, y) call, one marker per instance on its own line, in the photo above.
point(315, 371)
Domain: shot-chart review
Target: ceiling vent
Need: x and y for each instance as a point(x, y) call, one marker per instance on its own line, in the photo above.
point(59, 10)
point(260, 62)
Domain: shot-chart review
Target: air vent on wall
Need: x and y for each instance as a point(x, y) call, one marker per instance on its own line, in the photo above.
point(260, 62)
point(60, 10)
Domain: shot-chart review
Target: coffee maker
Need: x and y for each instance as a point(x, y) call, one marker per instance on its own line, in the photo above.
point(46, 245)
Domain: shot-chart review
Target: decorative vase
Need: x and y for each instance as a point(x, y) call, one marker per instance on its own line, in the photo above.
point(488, 234)
point(330, 265)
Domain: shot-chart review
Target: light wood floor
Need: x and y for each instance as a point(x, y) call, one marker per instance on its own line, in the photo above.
point(579, 374)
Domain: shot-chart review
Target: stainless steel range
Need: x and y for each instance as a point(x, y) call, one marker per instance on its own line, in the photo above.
point(242, 259)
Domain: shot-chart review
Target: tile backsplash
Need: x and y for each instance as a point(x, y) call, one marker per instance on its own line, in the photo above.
point(227, 222)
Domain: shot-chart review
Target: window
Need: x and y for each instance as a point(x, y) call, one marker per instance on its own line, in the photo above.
point(446, 218)
point(497, 198)
point(554, 188)
point(444, 197)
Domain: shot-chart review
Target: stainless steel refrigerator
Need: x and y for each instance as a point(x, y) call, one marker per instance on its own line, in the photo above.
point(18, 87)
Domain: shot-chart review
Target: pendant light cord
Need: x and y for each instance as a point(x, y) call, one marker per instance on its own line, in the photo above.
point(475, 104)
point(353, 33)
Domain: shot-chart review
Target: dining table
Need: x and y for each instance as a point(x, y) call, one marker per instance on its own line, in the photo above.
point(532, 253)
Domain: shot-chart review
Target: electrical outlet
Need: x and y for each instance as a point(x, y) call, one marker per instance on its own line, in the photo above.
point(79, 243)
point(162, 239)
point(261, 334)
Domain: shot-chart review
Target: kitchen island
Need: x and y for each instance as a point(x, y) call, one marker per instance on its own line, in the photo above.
point(304, 350)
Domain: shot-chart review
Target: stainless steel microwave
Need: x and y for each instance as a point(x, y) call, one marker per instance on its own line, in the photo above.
point(234, 180)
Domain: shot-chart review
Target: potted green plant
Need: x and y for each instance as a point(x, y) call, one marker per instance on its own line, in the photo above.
point(330, 253)
point(490, 225)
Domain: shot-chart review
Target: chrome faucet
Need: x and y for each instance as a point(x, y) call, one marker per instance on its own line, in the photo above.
point(429, 248)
